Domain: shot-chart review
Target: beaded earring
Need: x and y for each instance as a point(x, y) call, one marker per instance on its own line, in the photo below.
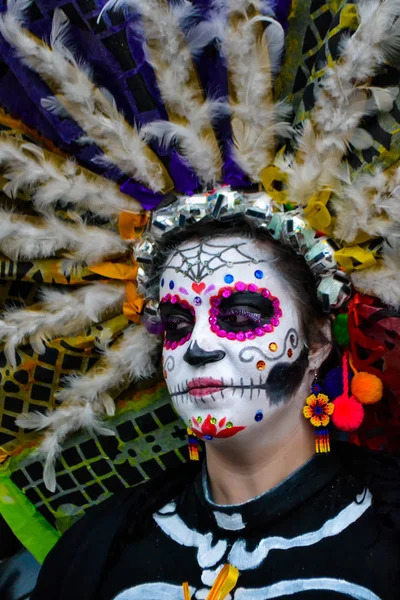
point(319, 409)
point(193, 445)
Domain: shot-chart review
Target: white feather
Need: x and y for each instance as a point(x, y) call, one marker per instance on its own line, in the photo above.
point(27, 168)
point(133, 356)
point(23, 238)
point(345, 96)
point(59, 424)
point(382, 281)
point(97, 116)
point(170, 56)
point(59, 314)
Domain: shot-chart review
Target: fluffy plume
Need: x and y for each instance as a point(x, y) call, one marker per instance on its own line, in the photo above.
point(170, 56)
point(95, 111)
point(252, 55)
point(59, 314)
point(28, 167)
point(370, 204)
point(60, 424)
point(86, 399)
point(344, 97)
point(382, 281)
point(26, 238)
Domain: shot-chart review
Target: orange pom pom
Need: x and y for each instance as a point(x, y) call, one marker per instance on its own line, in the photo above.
point(348, 413)
point(367, 388)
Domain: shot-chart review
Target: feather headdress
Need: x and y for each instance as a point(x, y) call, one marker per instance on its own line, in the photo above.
point(139, 105)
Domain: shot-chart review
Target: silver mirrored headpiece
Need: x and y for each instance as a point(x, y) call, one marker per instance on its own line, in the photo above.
point(290, 228)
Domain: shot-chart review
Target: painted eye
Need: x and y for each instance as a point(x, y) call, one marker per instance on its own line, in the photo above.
point(178, 321)
point(240, 316)
point(174, 323)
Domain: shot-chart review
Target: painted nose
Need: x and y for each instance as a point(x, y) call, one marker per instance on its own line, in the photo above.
point(197, 357)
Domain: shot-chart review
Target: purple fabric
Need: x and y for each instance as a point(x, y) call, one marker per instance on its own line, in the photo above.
point(282, 9)
point(148, 199)
point(36, 89)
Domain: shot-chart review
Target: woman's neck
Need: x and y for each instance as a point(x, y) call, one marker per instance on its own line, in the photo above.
point(237, 475)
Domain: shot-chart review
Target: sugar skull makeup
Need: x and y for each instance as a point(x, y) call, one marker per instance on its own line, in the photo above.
point(232, 349)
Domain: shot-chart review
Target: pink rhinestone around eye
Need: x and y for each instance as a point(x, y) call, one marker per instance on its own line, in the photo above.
point(259, 331)
point(174, 299)
point(274, 321)
point(240, 336)
point(278, 312)
point(240, 286)
point(167, 344)
point(252, 287)
point(166, 298)
point(221, 333)
point(250, 335)
point(215, 301)
point(226, 293)
point(174, 345)
point(214, 312)
point(268, 328)
point(212, 320)
point(215, 328)
point(275, 303)
point(266, 293)
point(231, 336)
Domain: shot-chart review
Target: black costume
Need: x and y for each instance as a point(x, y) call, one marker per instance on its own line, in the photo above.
point(319, 534)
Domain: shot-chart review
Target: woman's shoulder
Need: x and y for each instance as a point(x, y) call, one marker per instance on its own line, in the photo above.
point(83, 549)
point(380, 473)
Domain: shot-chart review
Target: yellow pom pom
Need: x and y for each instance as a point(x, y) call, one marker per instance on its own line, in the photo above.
point(367, 388)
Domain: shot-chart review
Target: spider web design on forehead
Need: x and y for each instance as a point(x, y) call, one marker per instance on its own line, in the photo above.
point(196, 268)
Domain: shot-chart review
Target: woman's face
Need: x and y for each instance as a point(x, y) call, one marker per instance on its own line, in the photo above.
point(233, 354)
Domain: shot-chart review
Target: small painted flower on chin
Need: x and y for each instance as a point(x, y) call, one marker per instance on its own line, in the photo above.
point(318, 409)
point(211, 427)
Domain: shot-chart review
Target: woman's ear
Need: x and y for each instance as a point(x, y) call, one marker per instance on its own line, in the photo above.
point(321, 345)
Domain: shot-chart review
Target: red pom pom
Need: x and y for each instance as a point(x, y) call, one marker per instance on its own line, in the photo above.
point(348, 413)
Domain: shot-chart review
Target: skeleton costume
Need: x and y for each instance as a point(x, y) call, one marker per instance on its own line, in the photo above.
point(125, 124)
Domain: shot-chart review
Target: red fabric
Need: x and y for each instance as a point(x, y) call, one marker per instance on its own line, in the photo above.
point(375, 347)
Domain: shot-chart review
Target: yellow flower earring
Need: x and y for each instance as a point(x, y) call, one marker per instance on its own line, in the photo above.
point(319, 409)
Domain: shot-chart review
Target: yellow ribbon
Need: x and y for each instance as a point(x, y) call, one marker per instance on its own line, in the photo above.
point(128, 222)
point(115, 270)
point(133, 305)
point(224, 583)
point(354, 257)
point(317, 214)
point(269, 176)
point(3, 455)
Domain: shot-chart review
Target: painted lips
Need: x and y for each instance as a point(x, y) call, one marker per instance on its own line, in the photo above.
point(202, 386)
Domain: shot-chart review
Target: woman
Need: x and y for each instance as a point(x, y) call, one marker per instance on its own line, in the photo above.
point(292, 522)
point(239, 276)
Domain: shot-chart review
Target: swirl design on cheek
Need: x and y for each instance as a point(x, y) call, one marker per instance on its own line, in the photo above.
point(169, 364)
point(254, 349)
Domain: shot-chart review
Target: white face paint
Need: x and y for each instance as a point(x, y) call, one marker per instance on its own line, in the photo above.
point(230, 325)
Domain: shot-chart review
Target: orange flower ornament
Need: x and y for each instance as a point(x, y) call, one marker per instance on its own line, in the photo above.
point(318, 409)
